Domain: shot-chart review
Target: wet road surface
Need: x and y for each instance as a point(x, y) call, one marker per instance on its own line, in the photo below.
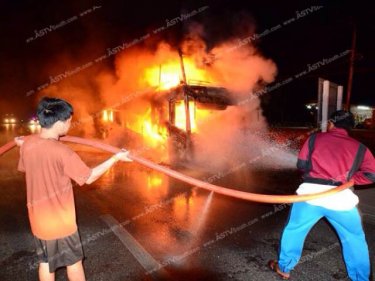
point(163, 229)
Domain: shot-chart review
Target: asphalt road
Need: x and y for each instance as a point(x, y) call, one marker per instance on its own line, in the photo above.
point(136, 224)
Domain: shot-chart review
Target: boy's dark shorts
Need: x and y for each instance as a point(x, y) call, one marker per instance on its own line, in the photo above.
point(60, 252)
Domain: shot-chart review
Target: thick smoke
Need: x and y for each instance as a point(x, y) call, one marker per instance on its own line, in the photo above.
point(237, 135)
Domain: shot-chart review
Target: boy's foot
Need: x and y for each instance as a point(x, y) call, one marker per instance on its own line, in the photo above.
point(274, 266)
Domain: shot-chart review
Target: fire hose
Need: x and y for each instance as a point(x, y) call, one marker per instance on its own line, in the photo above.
point(262, 198)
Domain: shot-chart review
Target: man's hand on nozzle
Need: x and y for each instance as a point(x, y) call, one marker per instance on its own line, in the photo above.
point(123, 155)
point(19, 140)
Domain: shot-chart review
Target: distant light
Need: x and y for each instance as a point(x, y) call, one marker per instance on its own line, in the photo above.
point(6, 120)
point(12, 120)
point(309, 106)
point(363, 107)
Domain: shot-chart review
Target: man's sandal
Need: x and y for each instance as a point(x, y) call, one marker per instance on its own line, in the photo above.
point(274, 266)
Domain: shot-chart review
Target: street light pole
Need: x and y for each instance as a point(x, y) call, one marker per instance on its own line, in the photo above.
point(351, 67)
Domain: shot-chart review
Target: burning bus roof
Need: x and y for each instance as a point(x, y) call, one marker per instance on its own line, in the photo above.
point(204, 94)
point(207, 96)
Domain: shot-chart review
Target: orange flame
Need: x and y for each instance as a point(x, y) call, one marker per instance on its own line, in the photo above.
point(154, 181)
point(169, 75)
point(195, 114)
point(153, 132)
point(107, 115)
point(164, 77)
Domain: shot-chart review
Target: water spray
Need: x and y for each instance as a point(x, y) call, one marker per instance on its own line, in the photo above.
point(203, 215)
point(262, 198)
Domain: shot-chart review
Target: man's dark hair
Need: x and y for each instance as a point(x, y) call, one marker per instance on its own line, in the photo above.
point(51, 110)
point(343, 119)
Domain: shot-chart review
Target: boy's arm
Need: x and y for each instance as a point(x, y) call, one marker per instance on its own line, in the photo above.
point(19, 140)
point(77, 170)
point(99, 170)
point(21, 166)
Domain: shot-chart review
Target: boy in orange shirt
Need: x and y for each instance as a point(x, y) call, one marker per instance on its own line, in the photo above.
point(49, 166)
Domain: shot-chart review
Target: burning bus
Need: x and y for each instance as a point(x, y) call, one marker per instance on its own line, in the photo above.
point(168, 106)
point(168, 120)
point(165, 118)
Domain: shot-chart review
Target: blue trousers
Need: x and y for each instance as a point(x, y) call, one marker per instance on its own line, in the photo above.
point(348, 226)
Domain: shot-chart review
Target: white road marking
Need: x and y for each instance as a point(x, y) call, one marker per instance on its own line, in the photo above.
point(152, 267)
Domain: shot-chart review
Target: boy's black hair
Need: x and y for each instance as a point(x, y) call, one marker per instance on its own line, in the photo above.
point(51, 110)
point(343, 119)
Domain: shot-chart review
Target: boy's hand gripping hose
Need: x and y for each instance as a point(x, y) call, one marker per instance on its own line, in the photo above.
point(195, 182)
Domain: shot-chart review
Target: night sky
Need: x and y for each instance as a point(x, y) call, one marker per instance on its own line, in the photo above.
point(320, 31)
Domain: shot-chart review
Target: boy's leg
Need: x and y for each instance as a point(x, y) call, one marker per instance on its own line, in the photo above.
point(75, 272)
point(354, 246)
point(301, 219)
point(44, 274)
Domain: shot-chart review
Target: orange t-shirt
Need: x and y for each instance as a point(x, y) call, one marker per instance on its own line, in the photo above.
point(49, 165)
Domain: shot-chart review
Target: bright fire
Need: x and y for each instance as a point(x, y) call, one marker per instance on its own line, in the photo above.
point(164, 77)
point(154, 181)
point(107, 115)
point(180, 119)
point(195, 114)
point(149, 128)
point(169, 75)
